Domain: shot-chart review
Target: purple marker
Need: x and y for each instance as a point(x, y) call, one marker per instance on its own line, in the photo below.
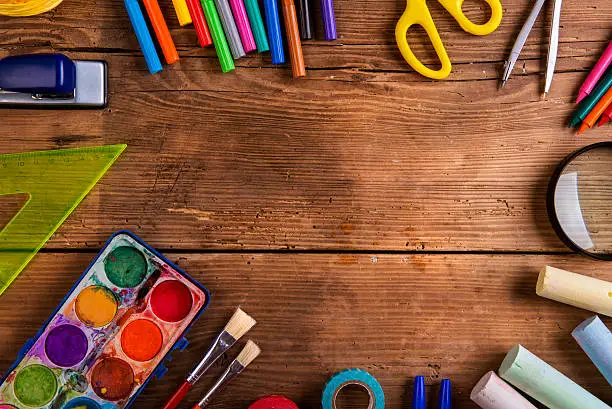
point(329, 19)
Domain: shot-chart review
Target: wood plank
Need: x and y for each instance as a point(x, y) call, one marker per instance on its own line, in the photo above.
point(397, 316)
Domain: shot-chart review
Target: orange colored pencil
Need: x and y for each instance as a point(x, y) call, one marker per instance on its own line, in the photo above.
point(161, 31)
point(596, 112)
point(293, 38)
point(606, 116)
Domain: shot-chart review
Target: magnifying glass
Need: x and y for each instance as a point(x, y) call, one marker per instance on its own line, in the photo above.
point(579, 201)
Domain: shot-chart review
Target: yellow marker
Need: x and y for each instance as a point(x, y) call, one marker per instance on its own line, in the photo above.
point(182, 12)
point(418, 14)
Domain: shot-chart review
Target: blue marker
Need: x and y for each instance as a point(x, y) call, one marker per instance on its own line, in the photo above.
point(274, 31)
point(143, 35)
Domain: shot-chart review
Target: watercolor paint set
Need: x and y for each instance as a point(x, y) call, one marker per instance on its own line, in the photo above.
point(110, 335)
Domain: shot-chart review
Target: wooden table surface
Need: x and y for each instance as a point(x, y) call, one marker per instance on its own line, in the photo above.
point(366, 216)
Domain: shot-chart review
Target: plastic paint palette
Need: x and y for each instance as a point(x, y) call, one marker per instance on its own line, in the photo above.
point(110, 335)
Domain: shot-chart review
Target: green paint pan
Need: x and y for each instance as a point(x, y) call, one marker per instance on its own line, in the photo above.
point(56, 182)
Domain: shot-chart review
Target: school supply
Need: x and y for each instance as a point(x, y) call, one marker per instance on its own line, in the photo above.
point(142, 34)
point(199, 23)
point(588, 103)
point(419, 400)
point(522, 38)
point(216, 29)
point(417, 13)
point(56, 182)
point(577, 200)
point(244, 27)
point(328, 14)
point(591, 119)
point(273, 402)
point(304, 12)
point(491, 392)
point(357, 377)
point(544, 383)
point(293, 39)
point(25, 8)
point(182, 12)
point(574, 289)
point(274, 31)
point(596, 73)
point(33, 80)
point(238, 325)
point(229, 26)
point(596, 341)
point(246, 357)
point(257, 25)
point(161, 31)
point(113, 332)
point(606, 116)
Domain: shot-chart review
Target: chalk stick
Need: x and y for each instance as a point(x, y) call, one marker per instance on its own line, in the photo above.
point(544, 383)
point(491, 392)
point(575, 289)
point(596, 340)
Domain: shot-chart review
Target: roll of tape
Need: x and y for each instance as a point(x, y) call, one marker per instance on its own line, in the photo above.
point(273, 402)
point(353, 377)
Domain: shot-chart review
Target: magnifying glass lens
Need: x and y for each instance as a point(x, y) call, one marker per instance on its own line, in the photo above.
point(583, 201)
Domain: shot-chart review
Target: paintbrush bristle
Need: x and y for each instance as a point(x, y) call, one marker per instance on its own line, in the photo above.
point(248, 353)
point(239, 324)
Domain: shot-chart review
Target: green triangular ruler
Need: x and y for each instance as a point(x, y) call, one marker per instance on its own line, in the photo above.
point(56, 182)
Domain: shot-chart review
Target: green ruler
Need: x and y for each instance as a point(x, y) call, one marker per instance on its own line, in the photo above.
point(56, 182)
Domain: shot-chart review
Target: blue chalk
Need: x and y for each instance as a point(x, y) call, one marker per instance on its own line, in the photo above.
point(596, 340)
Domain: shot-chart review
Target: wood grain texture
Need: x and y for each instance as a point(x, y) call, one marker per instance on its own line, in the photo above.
point(397, 316)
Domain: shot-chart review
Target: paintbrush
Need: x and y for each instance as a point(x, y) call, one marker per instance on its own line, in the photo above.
point(238, 325)
point(248, 355)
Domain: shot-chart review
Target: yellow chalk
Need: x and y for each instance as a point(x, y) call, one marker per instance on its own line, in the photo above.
point(182, 12)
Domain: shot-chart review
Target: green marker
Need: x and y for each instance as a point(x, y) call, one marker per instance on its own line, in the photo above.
point(219, 40)
point(589, 102)
point(257, 25)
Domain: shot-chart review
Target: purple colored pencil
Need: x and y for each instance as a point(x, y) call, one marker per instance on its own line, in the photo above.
point(244, 27)
point(329, 19)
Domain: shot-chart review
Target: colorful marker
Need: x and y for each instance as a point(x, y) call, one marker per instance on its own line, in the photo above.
point(229, 26)
point(304, 11)
point(219, 40)
point(257, 25)
point(589, 102)
point(329, 19)
point(293, 38)
point(591, 80)
point(274, 31)
point(143, 36)
point(199, 23)
point(161, 31)
point(244, 28)
point(182, 12)
point(596, 112)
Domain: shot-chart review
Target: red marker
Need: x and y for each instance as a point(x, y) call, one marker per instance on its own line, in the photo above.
point(199, 23)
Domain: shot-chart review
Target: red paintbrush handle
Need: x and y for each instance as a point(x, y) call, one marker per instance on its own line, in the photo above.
point(196, 407)
point(199, 22)
point(178, 396)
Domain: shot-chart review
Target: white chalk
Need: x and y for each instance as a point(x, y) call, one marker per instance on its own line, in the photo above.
point(544, 383)
point(596, 340)
point(575, 289)
point(491, 392)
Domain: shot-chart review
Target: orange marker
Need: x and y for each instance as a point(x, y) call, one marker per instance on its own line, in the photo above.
point(161, 31)
point(293, 38)
point(606, 116)
point(596, 112)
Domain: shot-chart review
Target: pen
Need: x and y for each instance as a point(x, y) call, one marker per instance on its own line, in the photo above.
point(293, 38)
point(592, 117)
point(591, 80)
point(303, 10)
point(229, 26)
point(161, 31)
point(257, 25)
point(199, 23)
point(143, 36)
point(182, 12)
point(219, 40)
point(274, 31)
point(587, 104)
point(329, 19)
point(244, 28)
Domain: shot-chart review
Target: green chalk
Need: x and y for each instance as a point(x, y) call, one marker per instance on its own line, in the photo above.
point(544, 383)
point(587, 104)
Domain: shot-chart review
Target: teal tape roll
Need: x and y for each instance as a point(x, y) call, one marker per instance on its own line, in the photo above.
point(353, 377)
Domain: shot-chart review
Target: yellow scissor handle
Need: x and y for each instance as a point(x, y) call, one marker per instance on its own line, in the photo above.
point(417, 13)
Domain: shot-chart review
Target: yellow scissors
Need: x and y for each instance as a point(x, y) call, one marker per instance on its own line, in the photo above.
point(417, 13)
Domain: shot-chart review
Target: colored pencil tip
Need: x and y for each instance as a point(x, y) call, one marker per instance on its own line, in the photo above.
point(604, 119)
point(583, 128)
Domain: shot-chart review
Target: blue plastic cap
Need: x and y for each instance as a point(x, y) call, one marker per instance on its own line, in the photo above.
point(45, 74)
point(444, 402)
point(418, 397)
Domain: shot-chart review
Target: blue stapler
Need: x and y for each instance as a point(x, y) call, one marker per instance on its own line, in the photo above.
point(52, 80)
